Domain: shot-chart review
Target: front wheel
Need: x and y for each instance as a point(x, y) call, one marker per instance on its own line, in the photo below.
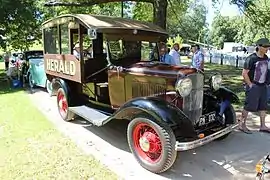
point(153, 145)
point(31, 81)
point(62, 104)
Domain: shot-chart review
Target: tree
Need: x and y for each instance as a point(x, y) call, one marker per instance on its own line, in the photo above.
point(224, 29)
point(18, 22)
point(256, 21)
point(159, 13)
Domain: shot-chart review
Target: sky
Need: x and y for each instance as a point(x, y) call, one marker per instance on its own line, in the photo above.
point(226, 9)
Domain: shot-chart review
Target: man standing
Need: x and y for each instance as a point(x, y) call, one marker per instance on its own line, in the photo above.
point(6, 59)
point(197, 58)
point(255, 74)
point(175, 53)
point(76, 51)
point(164, 56)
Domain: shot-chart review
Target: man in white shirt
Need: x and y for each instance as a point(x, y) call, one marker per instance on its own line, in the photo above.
point(76, 51)
point(175, 54)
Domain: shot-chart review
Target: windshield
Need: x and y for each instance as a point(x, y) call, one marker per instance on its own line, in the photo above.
point(36, 60)
point(132, 51)
point(34, 54)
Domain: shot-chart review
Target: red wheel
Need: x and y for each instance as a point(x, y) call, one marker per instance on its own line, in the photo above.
point(62, 104)
point(153, 145)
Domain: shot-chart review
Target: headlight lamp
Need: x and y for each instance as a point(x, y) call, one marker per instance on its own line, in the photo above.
point(184, 86)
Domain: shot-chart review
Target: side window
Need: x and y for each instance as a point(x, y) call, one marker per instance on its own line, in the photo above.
point(51, 41)
point(64, 39)
point(88, 46)
point(149, 51)
point(116, 49)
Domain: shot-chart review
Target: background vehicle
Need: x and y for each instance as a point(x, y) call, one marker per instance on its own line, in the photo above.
point(36, 74)
point(26, 56)
point(169, 108)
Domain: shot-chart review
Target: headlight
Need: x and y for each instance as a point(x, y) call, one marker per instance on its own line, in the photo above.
point(216, 81)
point(184, 86)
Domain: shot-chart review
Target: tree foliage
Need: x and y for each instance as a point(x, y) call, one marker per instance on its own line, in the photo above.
point(246, 28)
point(20, 20)
point(18, 23)
point(224, 29)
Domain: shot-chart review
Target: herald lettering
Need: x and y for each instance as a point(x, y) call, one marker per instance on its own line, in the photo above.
point(60, 66)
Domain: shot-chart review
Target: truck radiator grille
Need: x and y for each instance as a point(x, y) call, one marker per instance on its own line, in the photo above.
point(143, 89)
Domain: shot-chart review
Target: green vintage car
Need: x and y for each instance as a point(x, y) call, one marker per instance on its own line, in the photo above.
point(36, 74)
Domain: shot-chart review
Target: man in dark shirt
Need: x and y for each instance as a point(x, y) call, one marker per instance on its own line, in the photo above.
point(255, 74)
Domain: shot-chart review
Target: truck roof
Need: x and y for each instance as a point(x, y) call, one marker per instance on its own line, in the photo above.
point(103, 23)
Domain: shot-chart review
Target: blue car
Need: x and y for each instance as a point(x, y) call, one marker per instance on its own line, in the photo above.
point(36, 74)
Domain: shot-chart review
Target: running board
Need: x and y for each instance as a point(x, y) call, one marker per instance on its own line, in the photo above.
point(92, 115)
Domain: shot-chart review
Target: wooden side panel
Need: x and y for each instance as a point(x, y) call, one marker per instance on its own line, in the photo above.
point(65, 66)
point(116, 88)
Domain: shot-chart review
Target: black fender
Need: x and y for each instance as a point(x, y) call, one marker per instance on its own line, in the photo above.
point(162, 112)
point(60, 83)
point(224, 93)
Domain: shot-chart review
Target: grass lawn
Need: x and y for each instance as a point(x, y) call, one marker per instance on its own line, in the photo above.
point(232, 79)
point(31, 148)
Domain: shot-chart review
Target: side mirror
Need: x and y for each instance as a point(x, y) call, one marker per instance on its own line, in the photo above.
point(92, 33)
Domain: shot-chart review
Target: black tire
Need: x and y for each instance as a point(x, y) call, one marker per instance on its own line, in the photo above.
point(30, 81)
point(167, 139)
point(64, 112)
point(259, 176)
point(230, 118)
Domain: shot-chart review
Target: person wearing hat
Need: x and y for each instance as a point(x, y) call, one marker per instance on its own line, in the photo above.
point(76, 50)
point(255, 74)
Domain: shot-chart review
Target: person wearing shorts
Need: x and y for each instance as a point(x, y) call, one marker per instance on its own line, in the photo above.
point(255, 74)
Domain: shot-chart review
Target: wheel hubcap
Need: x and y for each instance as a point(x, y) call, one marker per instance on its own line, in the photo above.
point(147, 143)
point(62, 104)
point(144, 144)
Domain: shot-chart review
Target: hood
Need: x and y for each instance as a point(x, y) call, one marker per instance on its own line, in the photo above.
point(154, 68)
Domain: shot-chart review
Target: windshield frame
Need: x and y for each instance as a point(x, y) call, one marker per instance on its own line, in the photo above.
point(140, 53)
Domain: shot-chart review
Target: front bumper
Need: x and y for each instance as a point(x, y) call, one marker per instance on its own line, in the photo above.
point(183, 146)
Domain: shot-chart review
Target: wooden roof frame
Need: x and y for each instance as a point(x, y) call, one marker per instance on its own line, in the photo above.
point(105, 23)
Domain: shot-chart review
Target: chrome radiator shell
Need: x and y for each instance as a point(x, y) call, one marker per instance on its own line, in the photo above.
point(192, 104)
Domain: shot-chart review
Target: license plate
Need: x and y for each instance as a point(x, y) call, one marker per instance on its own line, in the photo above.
point(207, 118)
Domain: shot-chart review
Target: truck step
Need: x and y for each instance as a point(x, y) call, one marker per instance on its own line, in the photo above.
point(92, 115)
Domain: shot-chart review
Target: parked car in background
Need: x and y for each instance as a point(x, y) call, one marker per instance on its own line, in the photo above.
point(36, 74)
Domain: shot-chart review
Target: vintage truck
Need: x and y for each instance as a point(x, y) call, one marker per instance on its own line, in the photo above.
point(105, 68)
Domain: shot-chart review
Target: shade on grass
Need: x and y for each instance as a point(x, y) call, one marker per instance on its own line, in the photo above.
point(31, 148)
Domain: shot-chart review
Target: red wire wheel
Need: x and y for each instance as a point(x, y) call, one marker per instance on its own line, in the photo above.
point(62, 104)
point(153, 145)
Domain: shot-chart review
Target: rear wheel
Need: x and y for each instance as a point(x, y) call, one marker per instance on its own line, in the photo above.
point(63, 105)
point(153, 145)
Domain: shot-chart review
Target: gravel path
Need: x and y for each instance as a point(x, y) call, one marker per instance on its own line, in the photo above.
point(232, 158)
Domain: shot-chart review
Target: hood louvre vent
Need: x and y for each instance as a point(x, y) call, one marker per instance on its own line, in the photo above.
point(144, 89)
